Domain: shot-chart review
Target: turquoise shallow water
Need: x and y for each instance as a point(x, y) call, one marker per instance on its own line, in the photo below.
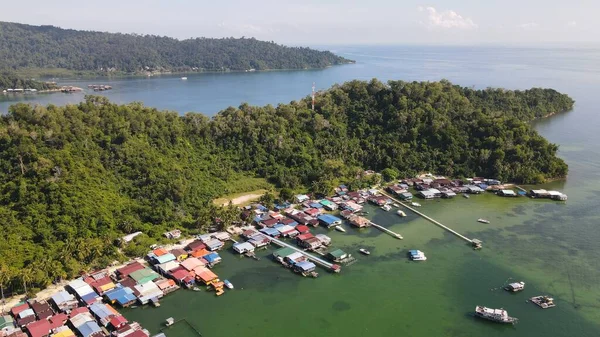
point(553, 247)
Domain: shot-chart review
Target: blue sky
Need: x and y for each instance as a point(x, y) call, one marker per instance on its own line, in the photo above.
point(310, 22)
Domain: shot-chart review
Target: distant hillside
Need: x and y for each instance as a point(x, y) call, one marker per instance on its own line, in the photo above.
point(9, 80)
point(47, 47)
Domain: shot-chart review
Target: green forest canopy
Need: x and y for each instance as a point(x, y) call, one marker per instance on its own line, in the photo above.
point(48, 47)
point(73, 179)
point(9, 80)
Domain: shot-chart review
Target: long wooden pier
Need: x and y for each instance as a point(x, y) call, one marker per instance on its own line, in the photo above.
point(310, 257)
point(385, 230)
point(428, 218)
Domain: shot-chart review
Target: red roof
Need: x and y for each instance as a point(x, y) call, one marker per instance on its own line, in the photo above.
point(302, 229)
point(287, 221)
point(78, 311)
point(270, 222)
point(39, 329)
point(58, 320)
point(99, 283)
point(303, 237)
point(130, 268)
point(138, 333)
point(16, 310)
point(312, 211)
point(195, 245)
point(180, 274)
point(118, 321)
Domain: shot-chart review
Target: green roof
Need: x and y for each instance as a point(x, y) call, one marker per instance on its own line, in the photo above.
point(325, 202)
point(6, 321)
point(338, 253)
point(144, 275)
point(283, 252)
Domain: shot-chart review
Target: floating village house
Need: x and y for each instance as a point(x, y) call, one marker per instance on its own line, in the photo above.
point(554, 195)
point(123, 272)
point(42, 310)
point(63, 301)
point(337, 255)
point(325, 240)
point(179, 254)
point(507, 193)
point(39, 328)
point(148, 292)
point(123, 296)
point(214, 244)
point(304, 267)
point(83, 291)
point(329, 220)
point(243, 247)
point(143, 276)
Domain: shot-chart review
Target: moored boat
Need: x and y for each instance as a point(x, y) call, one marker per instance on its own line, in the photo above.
point(364, 251)
point(396, 205)
point(494, 315)
point(340, 229)
point(401, 213)
point(416, 204)
point(184, 78)
point(466, 195)
point(386, 207)
point(543, 301)
point(417, 255)
point(483, 220)
point(228, 284)
point(515, 287)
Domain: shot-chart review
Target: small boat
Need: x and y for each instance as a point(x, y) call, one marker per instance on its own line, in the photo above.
point(483, 220)
point(466, 195)
point(196, 289)
point(364, 251)
point(543, 302)
point(416, 204)
point(494, 315)
point(228, 284)
point(401, 213)
point(386, 207)
point(515, 287)
point(184, 78)
point(396, 205)
point(340, 229)
point(170, 321)
point(417, 255)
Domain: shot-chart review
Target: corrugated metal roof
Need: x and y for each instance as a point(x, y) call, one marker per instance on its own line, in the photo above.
point(283, 252)
point(89, 328)
point(165, 258)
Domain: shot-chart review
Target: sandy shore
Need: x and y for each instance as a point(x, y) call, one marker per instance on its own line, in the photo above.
point(242, 199)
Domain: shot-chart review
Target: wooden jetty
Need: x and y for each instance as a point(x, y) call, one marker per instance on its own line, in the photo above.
point(385, 230)
point(333, 267)
point(434, 221)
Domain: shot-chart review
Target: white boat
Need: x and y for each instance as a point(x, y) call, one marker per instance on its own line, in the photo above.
point(466, 195)
point(495, 315)
point(396, 205)
point(228, 284)
point(184, 78)
point(416, 204)
point(386, 207)
point(401, 213)
point(364, 251)
point(417, 255)
point(514, 287)
point(483, 220)
point(340, 229)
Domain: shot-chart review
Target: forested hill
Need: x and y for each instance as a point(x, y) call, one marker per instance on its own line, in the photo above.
point(75, 178)
point(25, 46)
point(9, 80)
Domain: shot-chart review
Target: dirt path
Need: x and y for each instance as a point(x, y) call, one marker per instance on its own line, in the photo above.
point(241, 200)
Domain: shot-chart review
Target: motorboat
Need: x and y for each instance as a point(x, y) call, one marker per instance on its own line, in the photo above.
point(515, 287)
point(340, 229)
point(184, 78)
point(416, 204)
point(417, 255)
point(466, 195)
point(386, 207)
point(396, 205)
point(364, 251)
point(483, 220)
point(228, 284)
point(494, 315)
point(401, 213)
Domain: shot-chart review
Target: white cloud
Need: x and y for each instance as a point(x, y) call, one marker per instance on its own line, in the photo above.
point(529, 25)
point(572, 24)
point(446, 19)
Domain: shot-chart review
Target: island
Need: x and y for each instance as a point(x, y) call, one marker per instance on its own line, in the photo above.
point(77, 179)
point(52, 51)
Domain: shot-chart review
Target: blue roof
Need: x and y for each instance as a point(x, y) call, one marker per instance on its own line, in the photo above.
point(62, 297)
point(279, 225)
point(88, 328)
point(116, 293)
point(328, 218)
point(483, 186)
point(270, 231)
point(212, 257)
point(316, 205)
point(262, 208)
point(305, 265)
point(413, 251)
point(165, 258)
point(89, 298)
point(100, 310)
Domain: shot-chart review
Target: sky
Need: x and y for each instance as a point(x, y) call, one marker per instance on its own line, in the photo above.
point(328, 22)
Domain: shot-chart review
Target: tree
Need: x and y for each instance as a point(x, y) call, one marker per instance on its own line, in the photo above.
point(286, 194)
point(389, 174)
point(268, 200)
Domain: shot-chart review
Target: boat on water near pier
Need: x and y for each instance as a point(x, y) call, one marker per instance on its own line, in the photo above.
point(228, 284)
point(170, 321)
point(543, 301)
point(184, 78)
point(396, 205)
point(515, 287)
point(494, 315)
point(416, 204)
point(364, 251)
point(401, 213)
point(417, 255)
point(483, 220)
point(465, 195)
point(340, 229)
point(386, 207)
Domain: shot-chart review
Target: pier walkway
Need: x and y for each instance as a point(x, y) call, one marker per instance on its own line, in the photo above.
point(428, 218)
point(385, 230)
point(311, 257)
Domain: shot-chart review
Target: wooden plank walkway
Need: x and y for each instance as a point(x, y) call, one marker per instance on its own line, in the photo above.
point(428, 218)
point(385, 230)
point(311, 257)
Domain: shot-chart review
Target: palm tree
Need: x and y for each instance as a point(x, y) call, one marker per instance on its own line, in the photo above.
point(26, 275)
point(5, 276)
